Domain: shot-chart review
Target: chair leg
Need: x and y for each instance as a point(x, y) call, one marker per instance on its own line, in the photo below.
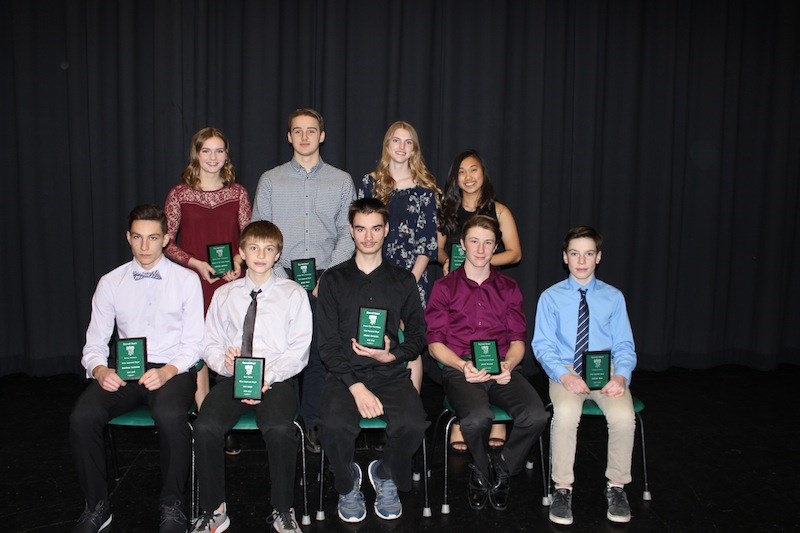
point(306, 518)
point(320, 512)
point(193, 480)
point(426, 510)
point(549, 465)
point(646, 496)
point(545, 495)
point(448, 427)
point(415, 475)
point(113, 452)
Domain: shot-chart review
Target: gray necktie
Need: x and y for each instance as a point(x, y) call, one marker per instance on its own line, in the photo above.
point(249, 325)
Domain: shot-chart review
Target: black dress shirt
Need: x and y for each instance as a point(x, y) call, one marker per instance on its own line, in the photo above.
point(343, 289)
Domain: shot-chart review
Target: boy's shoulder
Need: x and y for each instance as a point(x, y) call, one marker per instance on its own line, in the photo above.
point(277, 172)
point(286, 285)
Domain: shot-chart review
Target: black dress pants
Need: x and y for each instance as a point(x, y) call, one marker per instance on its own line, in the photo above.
point(471, 404)
point(169, 407)
point(274, 416)
point(339, 427)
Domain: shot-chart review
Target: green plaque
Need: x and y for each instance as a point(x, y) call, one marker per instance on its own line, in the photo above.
point(485, 356)
point(457, 256)
point(304, 272)
point(248, 378)
point(220, 258)
point(131, 358)
point(596, 369)
point(371, 327)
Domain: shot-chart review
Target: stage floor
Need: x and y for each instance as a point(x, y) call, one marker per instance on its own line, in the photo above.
point(722, 451)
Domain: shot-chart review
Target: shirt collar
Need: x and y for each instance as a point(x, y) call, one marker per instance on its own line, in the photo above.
point(574, 285)
point(250, 286)
point(161, 266)
point(462, 273)
point(300, 168)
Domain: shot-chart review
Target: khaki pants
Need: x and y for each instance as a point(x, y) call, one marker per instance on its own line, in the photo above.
point(567, 408)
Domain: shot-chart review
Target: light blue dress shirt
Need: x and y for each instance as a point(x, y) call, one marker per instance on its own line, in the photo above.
point(556, 327)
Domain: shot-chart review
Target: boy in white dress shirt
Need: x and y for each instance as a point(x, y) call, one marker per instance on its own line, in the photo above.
point(154, 298)
point(281, 335)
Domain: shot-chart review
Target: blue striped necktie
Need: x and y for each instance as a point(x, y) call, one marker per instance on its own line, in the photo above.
point(582, 342)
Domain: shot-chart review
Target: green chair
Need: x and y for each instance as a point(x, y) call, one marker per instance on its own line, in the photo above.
point(247, 422)
point(500, 415)
point(376, 424)
point(138, 418)
point(591, 408)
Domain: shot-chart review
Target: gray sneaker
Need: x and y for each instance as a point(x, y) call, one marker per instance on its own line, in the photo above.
point(284, 522)
point(211, 522)
point(387, 502)
point(618, 508)
point(351, 505)
point(172, 519)
point(561, 507)
point(94, 520)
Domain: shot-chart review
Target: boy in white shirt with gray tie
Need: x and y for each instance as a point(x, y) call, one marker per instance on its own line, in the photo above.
point(258, 316)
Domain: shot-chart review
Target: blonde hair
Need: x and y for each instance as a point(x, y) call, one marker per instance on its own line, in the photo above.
point(191, 174)
point(385, 184)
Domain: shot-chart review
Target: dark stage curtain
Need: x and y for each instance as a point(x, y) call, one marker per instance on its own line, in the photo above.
point(671, 126)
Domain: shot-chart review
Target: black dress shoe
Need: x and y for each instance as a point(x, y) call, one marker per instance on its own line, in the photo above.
point(312, 443)
point(477, 488)
point(498, 495)
point(232, 446)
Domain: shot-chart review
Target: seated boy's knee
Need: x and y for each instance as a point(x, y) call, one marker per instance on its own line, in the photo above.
point(531, 416)
point(169, 416)
point(622, 419)
point(478, 420)
point(86, 416)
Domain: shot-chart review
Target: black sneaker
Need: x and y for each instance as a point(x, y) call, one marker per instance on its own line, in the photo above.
point(172, 519)
point(232, 446)
point(498, 494)
point(92, 521)
point(477, 488)
point(618, 508)
point(561, 507)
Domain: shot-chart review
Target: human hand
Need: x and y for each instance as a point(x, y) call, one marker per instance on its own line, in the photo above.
point(231, 354)
point(574, 384)
point(381, 355)
point(107, 378)
point(233, 274)
point(204, 269)
point(504, 377)
point(446, 266)
point(472, 375)
point(155, 378)
point(369, 406)
point(615, 387)
point(315, 290)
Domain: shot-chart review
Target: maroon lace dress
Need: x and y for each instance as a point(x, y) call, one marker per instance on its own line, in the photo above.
point(196, 219)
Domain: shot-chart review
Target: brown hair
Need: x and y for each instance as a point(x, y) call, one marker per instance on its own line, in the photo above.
point(191, 174)
point(262, 230)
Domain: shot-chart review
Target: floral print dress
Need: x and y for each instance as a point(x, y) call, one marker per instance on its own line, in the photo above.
point(412, 228)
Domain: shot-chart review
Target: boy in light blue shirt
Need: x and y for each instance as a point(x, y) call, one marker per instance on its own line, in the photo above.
point(574, 316)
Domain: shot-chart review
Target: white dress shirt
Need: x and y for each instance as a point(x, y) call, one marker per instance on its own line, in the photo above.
point(168, 312)
point(283, 328)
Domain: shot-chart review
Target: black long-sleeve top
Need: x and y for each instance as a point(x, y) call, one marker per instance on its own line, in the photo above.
point(343, 289)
